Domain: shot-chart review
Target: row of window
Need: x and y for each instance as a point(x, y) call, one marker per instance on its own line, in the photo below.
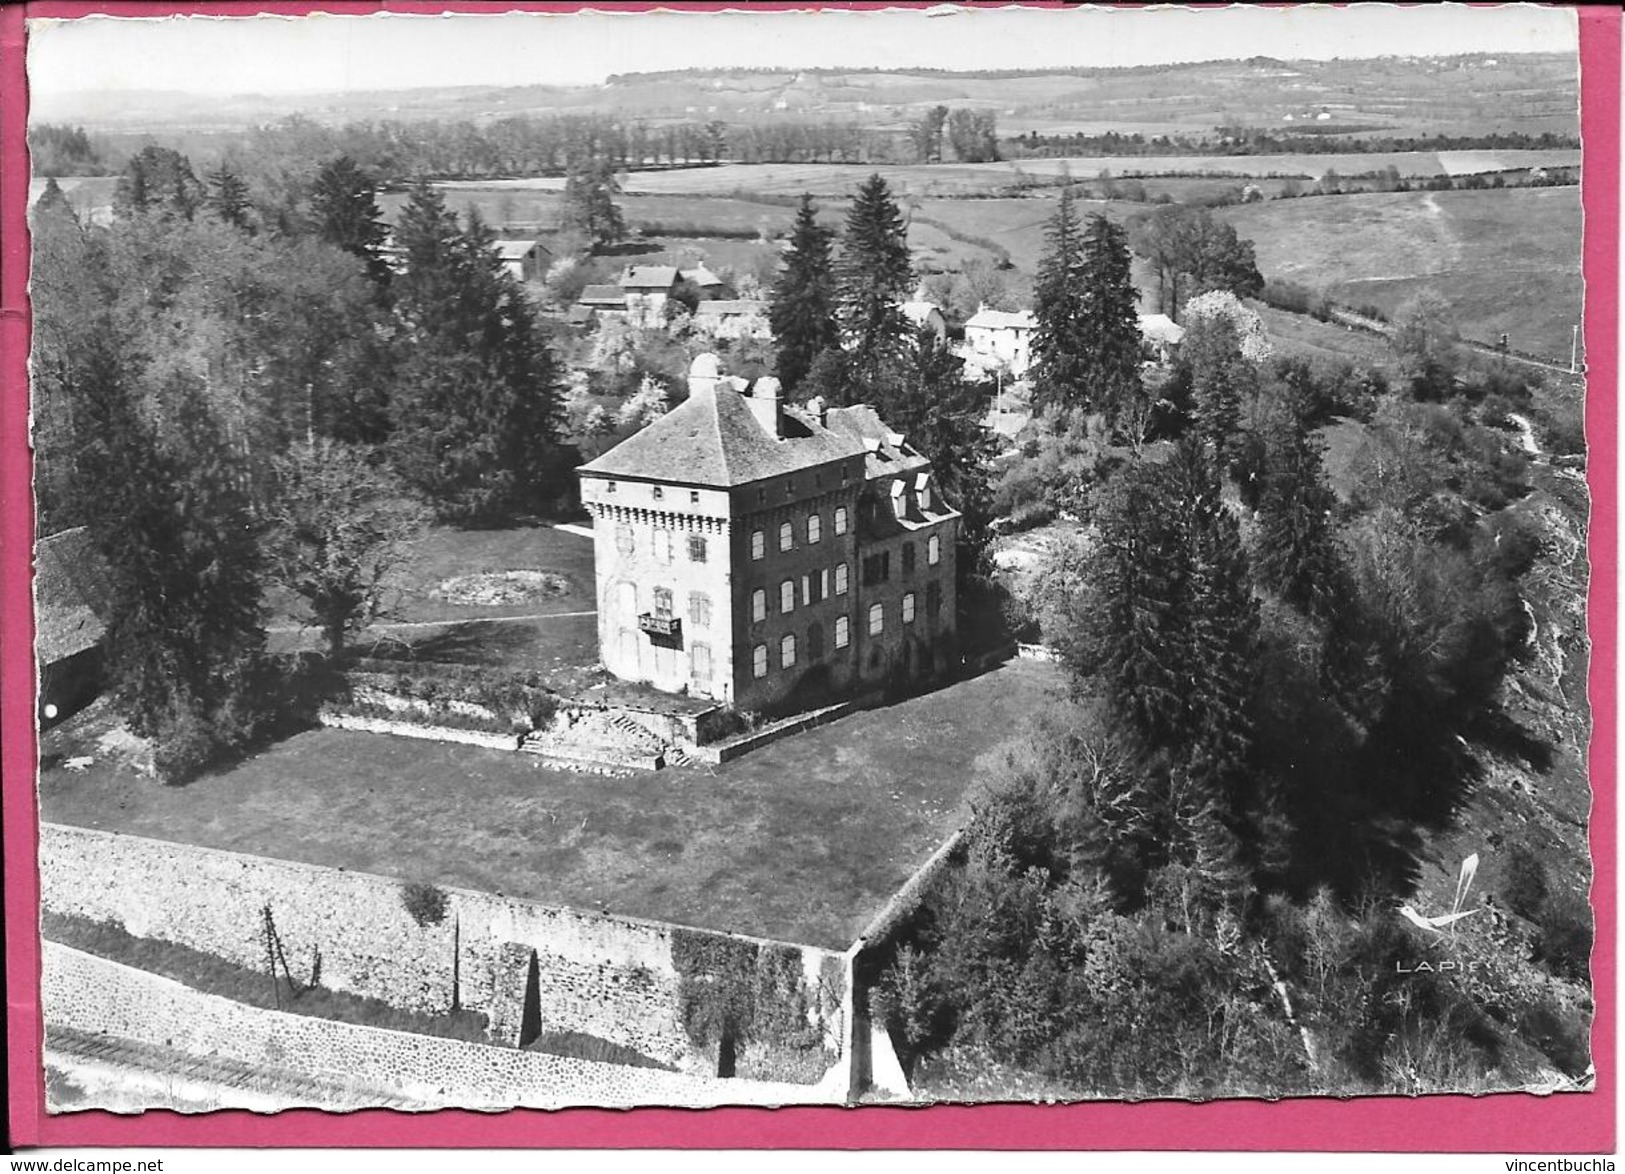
point(626, 543)
point(815, 588)
point(787, 533)
point(788, 648)
point(843, 632)
point(877, 567)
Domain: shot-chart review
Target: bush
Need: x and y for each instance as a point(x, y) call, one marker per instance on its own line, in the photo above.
point(184, 745)
point(425, 903)
point(1525, 889)
point(1564, 944)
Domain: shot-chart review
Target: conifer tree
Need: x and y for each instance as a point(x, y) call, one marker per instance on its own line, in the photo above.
point(1130, 630)
point(873, 278)
point(1108, 325)
point(478, 406)
point(344, 204)
point(1296, 549)
point(1223, 633)
point(157, 180)
point(803, 310)
point(1058, 346)
point(1169, 627)
point(184, 632)
point(228, 197)
point(1220, 379)
point(53, 205)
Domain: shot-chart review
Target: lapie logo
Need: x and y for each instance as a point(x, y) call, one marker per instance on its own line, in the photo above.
point(1439, 925)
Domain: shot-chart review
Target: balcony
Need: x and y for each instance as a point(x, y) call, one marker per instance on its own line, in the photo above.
point(668, 627)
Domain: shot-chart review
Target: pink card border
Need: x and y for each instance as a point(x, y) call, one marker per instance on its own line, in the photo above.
point(1577, 1123)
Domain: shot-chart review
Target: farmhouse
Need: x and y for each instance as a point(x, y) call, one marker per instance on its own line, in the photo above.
point(524, 260)
point(1161, 335)
point(702, 279)
point(733, 318)
point(646, 289)
point(924, 315)
point(603, 299)
point(769, 556)
point(996, 338)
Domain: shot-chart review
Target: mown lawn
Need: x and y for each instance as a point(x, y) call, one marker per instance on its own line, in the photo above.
point(803, 840)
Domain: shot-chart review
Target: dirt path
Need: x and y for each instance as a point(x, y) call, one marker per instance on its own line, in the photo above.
point(410, 625)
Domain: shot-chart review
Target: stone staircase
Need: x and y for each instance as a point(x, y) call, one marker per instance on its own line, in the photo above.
point(599, 741)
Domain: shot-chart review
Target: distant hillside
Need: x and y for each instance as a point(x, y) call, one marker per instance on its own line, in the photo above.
point(1528, 93)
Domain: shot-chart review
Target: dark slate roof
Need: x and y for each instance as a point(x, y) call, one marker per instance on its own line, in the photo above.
point(650, 277)
point(71, 593)
point(714, 439)
point(603, 295)
point(887, 453)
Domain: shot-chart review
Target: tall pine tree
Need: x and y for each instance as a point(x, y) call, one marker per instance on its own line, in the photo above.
point(228, 198)
point(344, 204)
point(803, 310)
point(478, 407)
point(873, 278)
point(1220, 380)
point(1109, 323)
point(1058, 343)
point(1296, 548)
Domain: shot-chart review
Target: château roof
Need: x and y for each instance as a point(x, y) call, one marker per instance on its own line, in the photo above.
point(886, 453)
point(714, 439)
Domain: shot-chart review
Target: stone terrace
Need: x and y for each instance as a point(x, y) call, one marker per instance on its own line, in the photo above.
point(802, 840)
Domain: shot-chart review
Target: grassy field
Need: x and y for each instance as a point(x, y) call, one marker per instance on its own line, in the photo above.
point(974, 178)
point(803, 840)
point(1503, 260)
point(1304, 337)
point(558, 629)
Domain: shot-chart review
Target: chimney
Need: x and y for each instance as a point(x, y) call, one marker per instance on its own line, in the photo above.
point(818, 409)
point(703, 375)
point(766, 406)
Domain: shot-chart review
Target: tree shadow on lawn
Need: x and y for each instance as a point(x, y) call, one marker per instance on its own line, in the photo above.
point(496, 645)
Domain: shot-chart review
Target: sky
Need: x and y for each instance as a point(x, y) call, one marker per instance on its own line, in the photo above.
point(325, 53)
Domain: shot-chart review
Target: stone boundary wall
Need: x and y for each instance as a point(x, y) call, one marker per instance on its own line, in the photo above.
point(721, 752)
point(409, 729)
point(616, 978)
point(91, 994)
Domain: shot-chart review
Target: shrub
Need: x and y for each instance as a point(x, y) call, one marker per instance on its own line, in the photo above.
point(1564, 944)
point(426, 903)
point(1525, 889)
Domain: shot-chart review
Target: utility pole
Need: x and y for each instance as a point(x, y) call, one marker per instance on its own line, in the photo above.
point(1574, 352)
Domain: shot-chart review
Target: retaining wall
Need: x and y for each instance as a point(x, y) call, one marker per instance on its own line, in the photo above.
point(92, 994)
point(613, 977)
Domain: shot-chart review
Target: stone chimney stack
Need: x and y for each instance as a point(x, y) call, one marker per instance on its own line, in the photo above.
point(767, 406)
